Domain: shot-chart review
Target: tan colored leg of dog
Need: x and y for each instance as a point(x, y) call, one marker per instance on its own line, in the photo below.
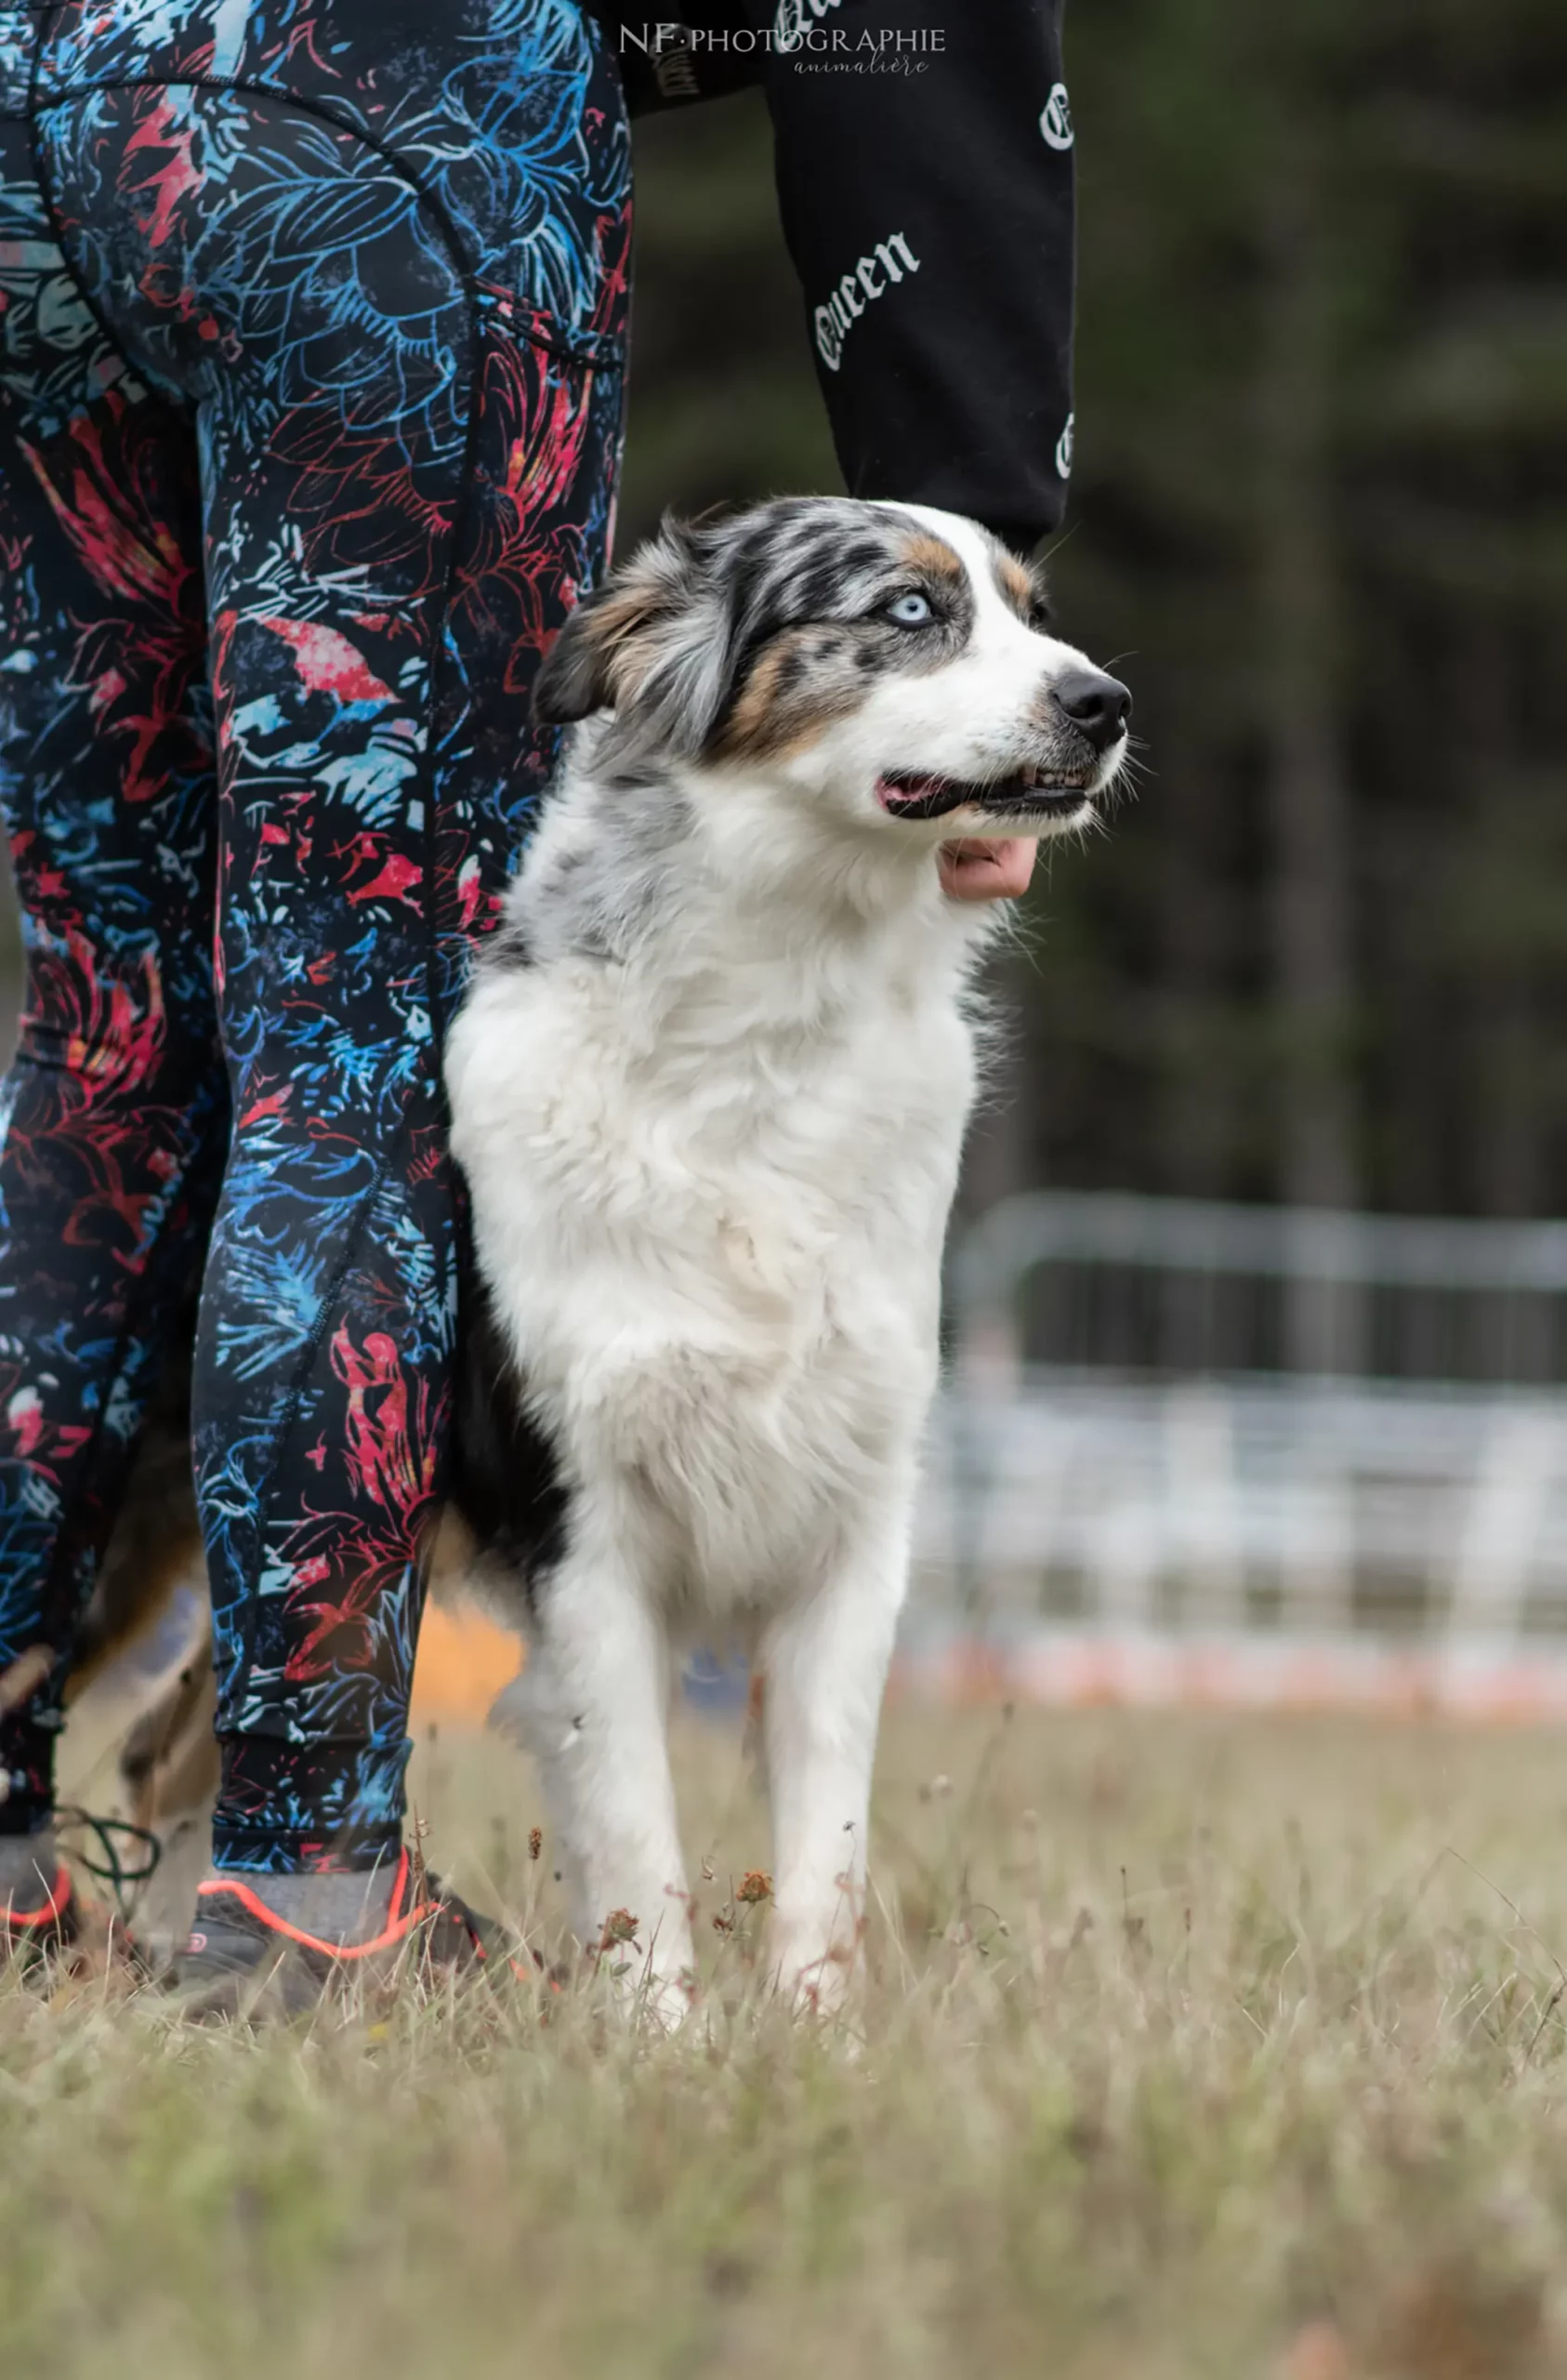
point(155, 1547)
point(168, 1767)
point(170, 1760)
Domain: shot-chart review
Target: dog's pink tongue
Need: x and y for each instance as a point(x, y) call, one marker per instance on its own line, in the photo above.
point(906, 790)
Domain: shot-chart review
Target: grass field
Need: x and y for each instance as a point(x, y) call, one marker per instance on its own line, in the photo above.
point(1193, 2046)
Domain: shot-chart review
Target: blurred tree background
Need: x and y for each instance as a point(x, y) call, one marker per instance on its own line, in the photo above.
point(1319, 521)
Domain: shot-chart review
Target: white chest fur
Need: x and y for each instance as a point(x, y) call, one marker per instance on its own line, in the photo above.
point(710, 1183)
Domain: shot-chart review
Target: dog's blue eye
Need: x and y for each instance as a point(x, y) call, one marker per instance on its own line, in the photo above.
point(909, 610)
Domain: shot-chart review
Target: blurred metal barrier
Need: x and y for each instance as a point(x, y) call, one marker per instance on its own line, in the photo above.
point(1193, 1451)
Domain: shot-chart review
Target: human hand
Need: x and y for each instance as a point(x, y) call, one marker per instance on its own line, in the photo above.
point(977, 870)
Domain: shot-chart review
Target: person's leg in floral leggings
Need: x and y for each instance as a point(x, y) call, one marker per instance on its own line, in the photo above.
point(311, 323)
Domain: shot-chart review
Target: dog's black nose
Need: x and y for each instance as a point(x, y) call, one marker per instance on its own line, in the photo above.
point(1098, 705)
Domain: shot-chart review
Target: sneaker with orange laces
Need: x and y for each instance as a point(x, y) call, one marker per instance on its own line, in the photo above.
point(38, 1918)
point(42, 1914)
point(245, 1955)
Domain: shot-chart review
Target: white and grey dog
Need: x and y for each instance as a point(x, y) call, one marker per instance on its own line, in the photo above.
point(709, 1088)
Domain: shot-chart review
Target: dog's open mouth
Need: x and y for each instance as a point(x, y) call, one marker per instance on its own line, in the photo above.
point(1030, 793)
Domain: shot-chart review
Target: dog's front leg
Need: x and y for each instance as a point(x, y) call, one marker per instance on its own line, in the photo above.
point(824, 1663)
point(594, 1704)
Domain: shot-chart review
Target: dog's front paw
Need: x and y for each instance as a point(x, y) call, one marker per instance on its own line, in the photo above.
point(817, 1967)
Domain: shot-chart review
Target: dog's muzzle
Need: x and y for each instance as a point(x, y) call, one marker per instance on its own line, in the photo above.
point(1091, 710)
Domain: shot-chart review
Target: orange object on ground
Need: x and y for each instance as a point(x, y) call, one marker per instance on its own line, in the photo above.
point(464, 1660)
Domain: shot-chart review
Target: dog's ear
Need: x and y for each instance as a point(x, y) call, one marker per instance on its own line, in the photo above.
point(653, 645)
point(574, 680)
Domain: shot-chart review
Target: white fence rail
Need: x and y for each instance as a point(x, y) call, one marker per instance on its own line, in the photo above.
point(1110, 1507)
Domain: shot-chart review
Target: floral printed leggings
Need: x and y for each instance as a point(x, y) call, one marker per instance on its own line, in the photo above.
point(312, 339)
